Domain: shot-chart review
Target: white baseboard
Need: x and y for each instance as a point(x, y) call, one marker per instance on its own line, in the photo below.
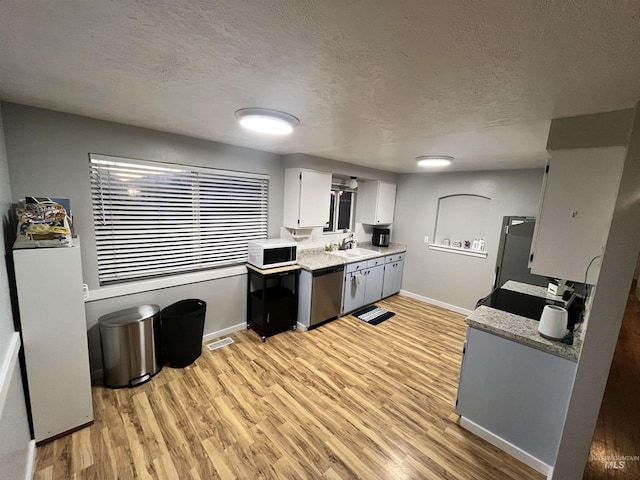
point(96, 374)
point(510, 448)
point(31, 460)
point(435, 302)
point(224, 331)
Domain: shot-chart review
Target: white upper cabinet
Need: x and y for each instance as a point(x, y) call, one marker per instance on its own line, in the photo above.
point(307, 194)
point(578, 198)
point(376, 202)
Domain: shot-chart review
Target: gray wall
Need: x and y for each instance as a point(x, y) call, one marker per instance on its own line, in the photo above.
point(449, 278)
point(48, 156)
point(14, 429)
point(226, 306)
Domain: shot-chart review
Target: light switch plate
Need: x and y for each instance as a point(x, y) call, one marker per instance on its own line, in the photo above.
point(426, 239)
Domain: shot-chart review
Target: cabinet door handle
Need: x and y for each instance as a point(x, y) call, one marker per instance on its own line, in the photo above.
point(268, 315)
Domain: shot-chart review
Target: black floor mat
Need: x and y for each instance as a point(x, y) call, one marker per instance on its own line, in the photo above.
point(373, 314)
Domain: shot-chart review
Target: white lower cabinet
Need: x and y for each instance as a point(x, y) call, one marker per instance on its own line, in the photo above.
point(353, 287)
point(373, 285)
point(393, 268)
point(515, 392)
point(362, 284)
point(353, 292)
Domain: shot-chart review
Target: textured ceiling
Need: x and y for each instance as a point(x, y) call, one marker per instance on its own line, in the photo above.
point(374, 82)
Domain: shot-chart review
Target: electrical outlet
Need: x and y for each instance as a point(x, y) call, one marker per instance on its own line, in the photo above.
point(426, 239)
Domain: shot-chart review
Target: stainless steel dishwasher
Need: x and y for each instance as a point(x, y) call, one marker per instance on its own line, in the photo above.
point(326, 294)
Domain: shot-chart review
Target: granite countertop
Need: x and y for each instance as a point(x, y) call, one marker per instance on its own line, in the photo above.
point(528, 289)
point(316, 258)
point(522, 330)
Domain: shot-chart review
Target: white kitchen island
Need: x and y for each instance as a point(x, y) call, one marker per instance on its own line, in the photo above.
point(515, 385)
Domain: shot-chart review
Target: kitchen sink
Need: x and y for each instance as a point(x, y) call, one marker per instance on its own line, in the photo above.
point(354, 253)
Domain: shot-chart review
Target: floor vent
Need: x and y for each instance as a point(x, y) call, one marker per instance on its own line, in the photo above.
point(219, 343)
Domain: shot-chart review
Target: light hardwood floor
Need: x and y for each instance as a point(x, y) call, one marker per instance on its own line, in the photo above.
point(346, 400)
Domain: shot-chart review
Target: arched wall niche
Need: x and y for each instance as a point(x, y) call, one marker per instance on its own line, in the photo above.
point(460, 224)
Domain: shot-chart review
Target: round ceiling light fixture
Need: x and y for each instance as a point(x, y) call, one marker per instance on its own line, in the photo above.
point(434, 160)
point(265, 120)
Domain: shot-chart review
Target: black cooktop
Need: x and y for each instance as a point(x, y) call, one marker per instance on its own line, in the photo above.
point(529, 306)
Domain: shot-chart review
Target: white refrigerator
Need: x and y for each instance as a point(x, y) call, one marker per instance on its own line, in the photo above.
point(54, 334)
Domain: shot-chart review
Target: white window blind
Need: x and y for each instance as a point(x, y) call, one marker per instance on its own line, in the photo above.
point(153, 218)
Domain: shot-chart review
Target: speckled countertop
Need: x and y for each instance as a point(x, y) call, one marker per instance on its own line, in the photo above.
point(520, 287)
point(522, 330)
point(528, 289)
point(316, 258)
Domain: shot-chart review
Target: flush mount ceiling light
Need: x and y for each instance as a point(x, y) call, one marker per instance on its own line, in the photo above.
point(265, 120)
point(434, 160)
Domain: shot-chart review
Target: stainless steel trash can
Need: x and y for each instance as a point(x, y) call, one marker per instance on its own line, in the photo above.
point(130, 342)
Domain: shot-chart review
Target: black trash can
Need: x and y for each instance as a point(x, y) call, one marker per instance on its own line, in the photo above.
point(182, 329)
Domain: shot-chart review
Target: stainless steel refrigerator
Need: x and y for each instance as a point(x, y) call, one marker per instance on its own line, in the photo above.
point(513, 253)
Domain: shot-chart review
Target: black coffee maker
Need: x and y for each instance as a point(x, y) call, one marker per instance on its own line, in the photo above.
point(381, 237)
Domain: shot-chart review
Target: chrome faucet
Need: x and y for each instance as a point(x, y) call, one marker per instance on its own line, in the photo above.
point(346, 244)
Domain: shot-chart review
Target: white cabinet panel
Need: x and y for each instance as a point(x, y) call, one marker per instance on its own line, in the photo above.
point(576, 208)
point(362, 287)
point(386, 202)
point(373, 285)
point(54, 331)
point(397, 277)
point(353, 291)
point(392, 277)
point(307, 194)
point(376, 202)
point(516, 392)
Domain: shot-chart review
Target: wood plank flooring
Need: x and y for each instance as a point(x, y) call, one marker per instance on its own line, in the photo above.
point(617, 432)
point(346, 400)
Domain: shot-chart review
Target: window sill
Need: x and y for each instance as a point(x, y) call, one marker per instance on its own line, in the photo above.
point(459, 251)
point(337, 234)
point(165, 282)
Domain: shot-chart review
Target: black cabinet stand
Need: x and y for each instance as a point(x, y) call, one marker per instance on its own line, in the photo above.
point(272, 299)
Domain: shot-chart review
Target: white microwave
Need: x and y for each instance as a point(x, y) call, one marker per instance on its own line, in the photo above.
point(272, 253)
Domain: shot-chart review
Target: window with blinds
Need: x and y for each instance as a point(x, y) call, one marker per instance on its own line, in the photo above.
point(154, 218)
